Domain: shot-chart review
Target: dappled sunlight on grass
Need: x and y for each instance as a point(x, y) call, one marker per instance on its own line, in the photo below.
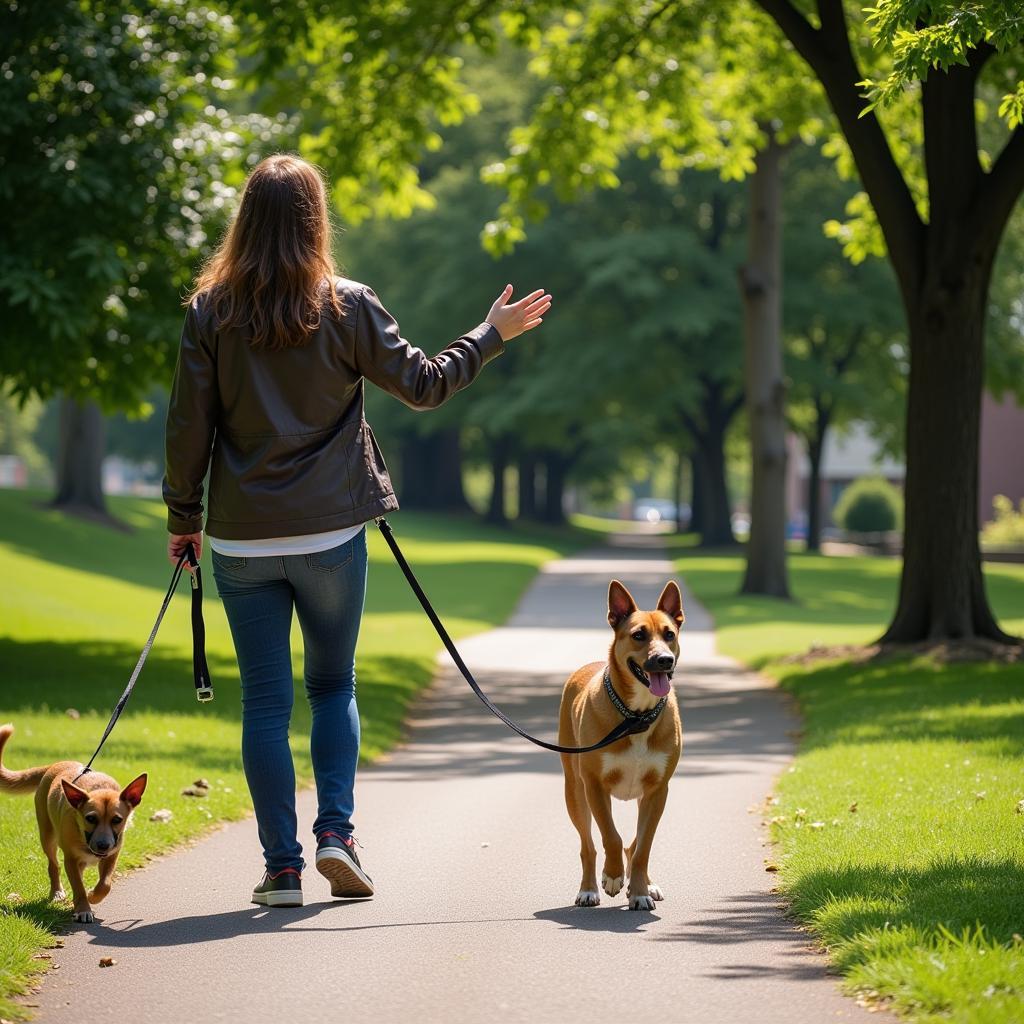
point(917, 891)
point(835, 601)
point(899, 836)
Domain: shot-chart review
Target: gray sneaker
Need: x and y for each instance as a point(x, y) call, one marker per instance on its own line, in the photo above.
point(338, 862)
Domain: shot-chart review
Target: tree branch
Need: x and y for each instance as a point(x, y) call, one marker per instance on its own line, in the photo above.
point(843, 361)
point(950, 144)
point(1000, 189)
point(827, 50)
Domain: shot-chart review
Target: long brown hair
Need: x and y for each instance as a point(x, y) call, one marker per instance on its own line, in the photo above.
point(270, 273)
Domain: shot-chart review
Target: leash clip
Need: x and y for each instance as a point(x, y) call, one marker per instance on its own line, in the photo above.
point(204, 694)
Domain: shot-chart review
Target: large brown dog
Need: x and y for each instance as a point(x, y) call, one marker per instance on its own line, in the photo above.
point(86, 819)
point(638, 767)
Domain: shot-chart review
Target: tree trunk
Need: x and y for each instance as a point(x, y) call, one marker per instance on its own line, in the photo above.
point(814, 450)
point(432, 472)
point(555, 469)
point(943, 268)
point(716, 515)
point(761, 287)
point(527, 486)
point(681, 525)
point(942, 591)
point(81, 443)
point(499, 464)
point(696, 490)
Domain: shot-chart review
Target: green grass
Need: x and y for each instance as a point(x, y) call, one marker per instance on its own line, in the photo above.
point(918, 893)
point(836, 601)
point(76, 605)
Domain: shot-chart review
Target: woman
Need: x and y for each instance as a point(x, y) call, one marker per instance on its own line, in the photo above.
point(268, 395)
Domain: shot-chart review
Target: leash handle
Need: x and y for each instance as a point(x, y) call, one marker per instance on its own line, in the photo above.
point(200, 670)
point(627, 727)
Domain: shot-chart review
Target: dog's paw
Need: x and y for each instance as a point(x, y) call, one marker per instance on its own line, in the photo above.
point(56, 897)
point(641, 903)
point(84, 917)
point(655, 892)
point(587, 898)
point(612, 886)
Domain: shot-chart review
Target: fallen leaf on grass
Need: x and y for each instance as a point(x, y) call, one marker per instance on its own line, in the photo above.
point(107, 961)
point(194, 791)
point(73, 713)
point(162, 815)
point(1020, 806)
point(14, 897)
point(201, 783)
point(770, 865)
point(853, 807)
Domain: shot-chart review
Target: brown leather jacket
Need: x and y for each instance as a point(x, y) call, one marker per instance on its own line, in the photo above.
point(283, 433)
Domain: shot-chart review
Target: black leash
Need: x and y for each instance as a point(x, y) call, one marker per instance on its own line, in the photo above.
point(200, 670)
point(633, 723)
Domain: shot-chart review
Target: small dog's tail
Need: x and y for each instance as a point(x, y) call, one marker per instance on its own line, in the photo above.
point(17, 782)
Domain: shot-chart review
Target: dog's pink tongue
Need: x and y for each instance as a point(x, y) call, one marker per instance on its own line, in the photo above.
point(660, 684)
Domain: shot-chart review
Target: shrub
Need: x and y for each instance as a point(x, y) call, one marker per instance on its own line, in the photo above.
point(1007, 527)
point(869, 505)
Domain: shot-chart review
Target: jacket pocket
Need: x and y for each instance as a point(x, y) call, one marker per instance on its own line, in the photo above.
point(330, 560)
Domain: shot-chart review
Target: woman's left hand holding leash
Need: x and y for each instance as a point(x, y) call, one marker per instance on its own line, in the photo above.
point(177, 542)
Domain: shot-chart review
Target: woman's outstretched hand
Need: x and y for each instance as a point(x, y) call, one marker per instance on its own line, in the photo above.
point(512, 320)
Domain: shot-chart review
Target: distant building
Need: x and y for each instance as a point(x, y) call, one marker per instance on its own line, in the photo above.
point(853, 453)
point(1001, 467)
point(849, 454)
point(13, 472)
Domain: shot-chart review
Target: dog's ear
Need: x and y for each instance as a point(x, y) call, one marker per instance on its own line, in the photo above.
point(671, 602)
point(132, 793)
point(75, 796)
point(620, 603)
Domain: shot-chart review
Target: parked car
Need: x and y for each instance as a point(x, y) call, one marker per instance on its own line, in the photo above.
point(654, 510)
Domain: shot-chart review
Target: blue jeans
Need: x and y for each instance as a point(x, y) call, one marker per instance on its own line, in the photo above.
point(327, 590)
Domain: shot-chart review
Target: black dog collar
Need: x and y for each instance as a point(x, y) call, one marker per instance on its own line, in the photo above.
point(642, 720)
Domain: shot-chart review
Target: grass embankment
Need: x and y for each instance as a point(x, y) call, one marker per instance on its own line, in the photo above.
point(900, 837)
point(76, 605)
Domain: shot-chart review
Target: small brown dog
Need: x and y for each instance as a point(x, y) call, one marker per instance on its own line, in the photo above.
point(636, 680)
point(86, 819)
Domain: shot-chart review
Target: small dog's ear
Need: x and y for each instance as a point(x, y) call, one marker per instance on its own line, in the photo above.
point(620, 603)
point(75, 796)
point(671, 602)
point(132, 793)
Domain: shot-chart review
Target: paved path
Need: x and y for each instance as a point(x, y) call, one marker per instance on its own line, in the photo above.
point(477, 867)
